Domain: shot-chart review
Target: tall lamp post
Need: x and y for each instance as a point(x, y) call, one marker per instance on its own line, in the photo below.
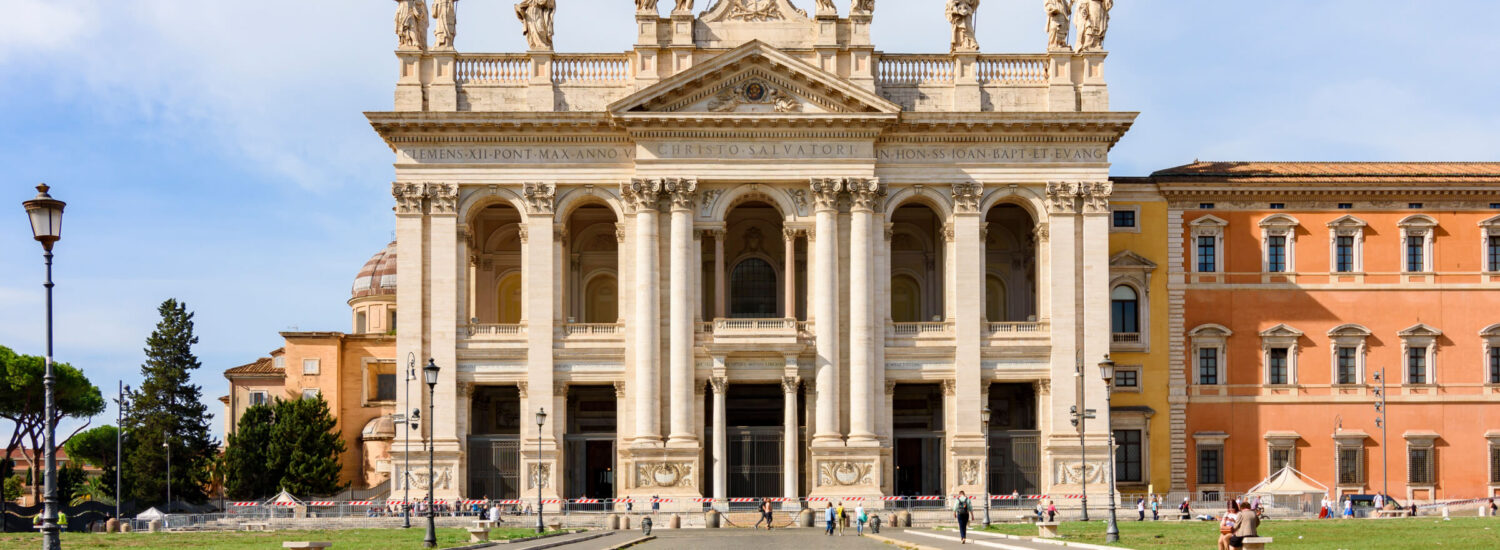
point(411, 374)
point(1079, 416)
point(1107, 372)
point(166, 444)
point(46, 213)
point(120, 405)
point(1380, 422)
point(984, 418)
point(541, 418)
point(430, 374)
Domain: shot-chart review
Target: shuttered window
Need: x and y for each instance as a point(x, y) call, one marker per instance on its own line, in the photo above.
point(1419, 466)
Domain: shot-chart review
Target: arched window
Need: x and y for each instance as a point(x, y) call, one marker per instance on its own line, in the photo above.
point(1124, 310)
point(509, 298)
point(752, 290)
point(906, 299)
point(994, 299)
point(602, 302)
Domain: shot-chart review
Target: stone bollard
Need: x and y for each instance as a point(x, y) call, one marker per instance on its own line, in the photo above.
point(612, 522)
point(124, 527)
point(625, 522)
point(112, 526)
point(1445, 514)
point(903, 518)
point(805, 518)
point(711, 519)
point(675, 522)
point(154, 526)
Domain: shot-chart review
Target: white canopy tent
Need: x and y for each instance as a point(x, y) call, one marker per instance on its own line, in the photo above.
point(1289, 489)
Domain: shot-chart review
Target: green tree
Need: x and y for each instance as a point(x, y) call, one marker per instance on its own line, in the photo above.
point(13, 485)
point(248, 455)
point(70, 478)
point(23, 400)
point(93, 489)
point(168, 409)
point(305, 447)
point(96, 447)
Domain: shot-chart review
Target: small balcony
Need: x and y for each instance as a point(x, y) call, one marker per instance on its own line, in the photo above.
point(1017, 334)
point(499, 332)
point(736, 332)
point(917, 334)
point(591, 332)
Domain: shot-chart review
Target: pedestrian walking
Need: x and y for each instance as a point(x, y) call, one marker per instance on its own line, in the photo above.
point(1140, 509)
point(859, 519)
point(1051, 512)
point(765, 514)
point(839, 516)
point(828, 519)
point(961, 511)
point(655, 505)
point(1348, 508)
point(1155, 506)
point(1185, 509)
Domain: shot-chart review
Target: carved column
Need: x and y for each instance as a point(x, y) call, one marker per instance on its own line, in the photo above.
point(644, 194)
point(682, 192)
point(789, 272)
point(791, 442)
point(721, 287)
point(826, 307)
point(410, 298)
point(541, 280)
point(863, 192)
point(721, 439)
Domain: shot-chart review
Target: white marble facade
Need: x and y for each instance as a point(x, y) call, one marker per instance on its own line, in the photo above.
point(754, 201)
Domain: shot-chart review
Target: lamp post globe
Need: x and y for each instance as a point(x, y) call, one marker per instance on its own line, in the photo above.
point(46, 214)
point(541, 418)
point(1107, 373)
point(430, 375)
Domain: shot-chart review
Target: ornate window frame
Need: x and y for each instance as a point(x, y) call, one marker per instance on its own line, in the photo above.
point(1488, 229)
point(368, 370)
point(1279, 337)
point(1421, 440)
point(1209, 441)
point(1347, 226)
point(1489, 337)
point(1281, 441)
point(1422, 335)
point(1210, 336)
point(1348, 336)
point(1133, 270)
point(1418, 225)
point(1492, 438)
point(1278, 225)
point(1344, 440)
point(1138, 419)
point(1207, 226)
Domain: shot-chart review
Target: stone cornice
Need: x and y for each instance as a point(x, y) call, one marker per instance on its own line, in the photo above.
point(1328, 191)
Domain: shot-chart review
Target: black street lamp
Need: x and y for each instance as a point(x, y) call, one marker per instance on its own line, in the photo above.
point(984, 417)
point(167, 444)
point(46, 227)
point(430, 374)
point(121, 403)
point(1107, 372)
point(411, 374)
point(541, 418)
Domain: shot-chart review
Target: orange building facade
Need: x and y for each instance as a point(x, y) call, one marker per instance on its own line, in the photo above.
point(1295, 286)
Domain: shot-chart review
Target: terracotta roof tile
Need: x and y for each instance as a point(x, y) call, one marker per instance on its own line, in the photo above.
point(263, 365)
point(1334, 172)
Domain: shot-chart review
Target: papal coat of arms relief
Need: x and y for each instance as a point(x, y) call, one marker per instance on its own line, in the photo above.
point(754, 92)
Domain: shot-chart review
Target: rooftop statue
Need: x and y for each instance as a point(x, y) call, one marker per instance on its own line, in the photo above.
point(683, 6)
point(961, 16)
point(536, 21)
point(862, 7)
point(446, 15)
point(1093, 23)
point(645, 6)
point(411, 24)
point(826, 7)
point(1058, 14)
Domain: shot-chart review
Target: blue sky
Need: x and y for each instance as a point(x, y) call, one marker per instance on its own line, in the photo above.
point(216, 151)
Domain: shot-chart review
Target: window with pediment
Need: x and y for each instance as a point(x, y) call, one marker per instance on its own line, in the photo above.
point(1417, 243)
point(1278, 237)
point(1419, 354)
point(1490, 243)
point(1279, 350)
point(1207, 352)
point(1347, 345)
point(1208, 244)
point(1346, 241)
point(1490, 336)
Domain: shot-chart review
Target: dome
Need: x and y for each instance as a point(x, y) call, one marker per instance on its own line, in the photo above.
point(379, 428)
point(378, 276)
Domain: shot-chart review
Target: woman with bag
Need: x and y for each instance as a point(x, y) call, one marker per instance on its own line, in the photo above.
point(1227, 524)
point(859, 519)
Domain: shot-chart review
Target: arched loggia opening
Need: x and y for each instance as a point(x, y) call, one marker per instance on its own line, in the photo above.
point(917, 265)
point(591, 275)
point(754, 267)
point(497, 265)
point(1010, 264)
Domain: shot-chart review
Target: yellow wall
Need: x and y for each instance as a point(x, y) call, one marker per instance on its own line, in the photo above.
point(1150, 243)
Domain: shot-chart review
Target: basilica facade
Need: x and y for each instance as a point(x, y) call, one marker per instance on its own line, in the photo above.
point(753, 256)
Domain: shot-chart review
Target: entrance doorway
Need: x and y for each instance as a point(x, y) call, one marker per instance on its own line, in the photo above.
point(589, 443)
point(917, 418)
point(754, 430)
point(1014, 442)
point(495, 443)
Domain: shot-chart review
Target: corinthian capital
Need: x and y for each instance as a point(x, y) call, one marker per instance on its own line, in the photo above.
point(683, 191)
point(1096, 196)
point(443, 197)
point(641, 193)
point(1061, 195)
point(826, 192)
point(966, 197)
point(865, 192)
point(408, 198)
point(539, 197)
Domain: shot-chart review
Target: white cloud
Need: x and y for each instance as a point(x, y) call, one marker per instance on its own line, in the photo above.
point(39, 25)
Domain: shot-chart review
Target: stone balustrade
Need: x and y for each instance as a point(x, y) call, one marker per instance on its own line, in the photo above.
point(514, 69)
point(592, 69)
point(496, 331)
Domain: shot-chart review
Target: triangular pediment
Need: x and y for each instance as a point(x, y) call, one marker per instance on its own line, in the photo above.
point(1130, 260)
point(754, 78)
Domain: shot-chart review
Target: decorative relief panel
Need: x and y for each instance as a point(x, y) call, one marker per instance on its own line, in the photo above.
point(664, 474)
point(539, 475)
point(1070, 473)
point(540, 197)
point(419, 479)
point(970, 471)
point(845, 473)
point(966, 197)
point(408, 197)
point(443, 198)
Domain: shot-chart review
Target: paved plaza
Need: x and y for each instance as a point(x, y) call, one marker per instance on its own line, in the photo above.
point(737, 539)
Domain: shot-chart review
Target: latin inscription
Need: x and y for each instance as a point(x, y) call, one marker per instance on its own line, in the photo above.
point(518, 155)
point(753, 150)
point(980, 153)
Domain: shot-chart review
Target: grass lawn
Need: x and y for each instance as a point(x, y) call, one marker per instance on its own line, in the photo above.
point(1304, 534)
point(375, 539)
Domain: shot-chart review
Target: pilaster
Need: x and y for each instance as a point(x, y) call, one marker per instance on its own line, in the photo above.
point(539, 451)
point(443, 92)
point(969, 448)
point(642, 194)
point(411, 231)
point(539, 94)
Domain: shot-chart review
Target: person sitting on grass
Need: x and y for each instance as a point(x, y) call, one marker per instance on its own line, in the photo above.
point(1227, 524)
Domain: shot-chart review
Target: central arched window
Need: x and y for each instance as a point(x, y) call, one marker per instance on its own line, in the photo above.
point(752, 290)
point(1124, 310)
